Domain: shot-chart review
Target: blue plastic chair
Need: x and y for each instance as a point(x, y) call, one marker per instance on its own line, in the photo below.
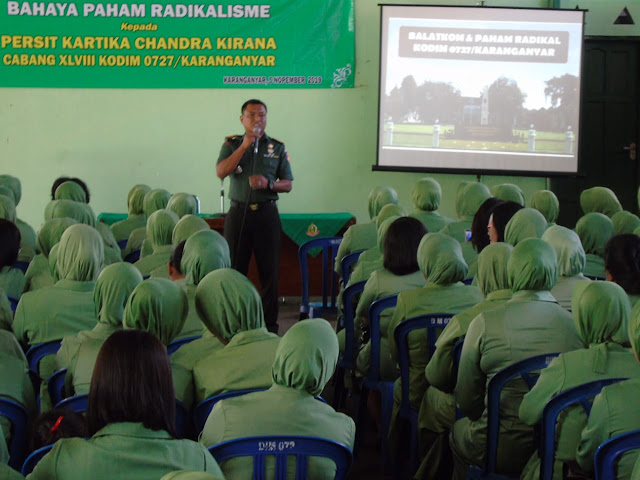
point(176, 344)
point(281, 447)
point(593, 277)
point(33, 459)
point(527, 369)
point(14, 304)
point(606, 455)
point(581, 395)
point(55, 385)
point(77, 403)
point(203, 409)
point(123, 243)
point(347, 262)
point(346, 360)
point(430, 323)
point(457, 353)
point(19, 419)
point(372, 380)
point(21, 265)
point(468, 281)
point(329, 248)
point(133, 257)
point(34, 355)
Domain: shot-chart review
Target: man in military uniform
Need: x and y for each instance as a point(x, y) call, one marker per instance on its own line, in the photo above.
point(259, 168)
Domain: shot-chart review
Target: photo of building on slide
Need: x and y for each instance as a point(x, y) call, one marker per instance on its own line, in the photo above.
point(481, 89)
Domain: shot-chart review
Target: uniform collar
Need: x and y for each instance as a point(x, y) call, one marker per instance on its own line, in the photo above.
point(499, 295)
point(131, 429)
point(248, 336)
point(75, 285)
point(532, 296)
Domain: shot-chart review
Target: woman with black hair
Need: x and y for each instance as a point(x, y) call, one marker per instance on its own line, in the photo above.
point(12, 280)
point(622, 263)
point(131, 418)
point(500, 216)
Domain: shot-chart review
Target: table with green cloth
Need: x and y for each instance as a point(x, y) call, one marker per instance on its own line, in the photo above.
point(298, 228)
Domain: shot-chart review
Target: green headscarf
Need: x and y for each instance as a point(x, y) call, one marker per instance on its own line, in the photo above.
point(526, 223)
point(440, 259)
point(113, 287)
point(508, 192)
point(306, 357)
point(187, 226)
point(183, 204)
point(634, 329)
point(625, 222)
point(382, 232)
point(460, 196)
point(50, 232)
point(600, 200)
point(160, 227)
point(80, 212)
point(388, 211)
point(599, 310)
point(7, 208)
point(157, 306)
point(492, 268)
point(53, 262)
point(135, 199)
point(379, 197)
point(427, 194)
point(546, 202)
point(80, 253)
point(594, 230)
point(204, 252)
point(14, 184)
point(228, 303)
point(473, 196)
point(156, 199)
point(532, 266)
point(70, 191)
point(568, 247)
point(7, 192)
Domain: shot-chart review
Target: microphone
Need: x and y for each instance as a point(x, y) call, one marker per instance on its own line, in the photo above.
point(256, 131)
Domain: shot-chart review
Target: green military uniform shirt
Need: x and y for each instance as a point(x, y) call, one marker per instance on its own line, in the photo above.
point(272, 162)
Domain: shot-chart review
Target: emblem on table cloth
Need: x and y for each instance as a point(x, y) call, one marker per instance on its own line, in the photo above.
point(313, 230)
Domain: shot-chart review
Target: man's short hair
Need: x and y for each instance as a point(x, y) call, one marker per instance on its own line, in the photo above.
point(253, 101)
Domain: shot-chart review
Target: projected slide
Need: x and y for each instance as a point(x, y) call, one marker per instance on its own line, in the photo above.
point(480, 89)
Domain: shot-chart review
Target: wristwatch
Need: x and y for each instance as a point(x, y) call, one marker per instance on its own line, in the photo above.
point(271, 184)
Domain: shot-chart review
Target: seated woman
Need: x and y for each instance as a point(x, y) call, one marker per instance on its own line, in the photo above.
point(622, 264)
point(204, 252)
point(78, 353)
point(546, 202)
point(529, 324)
point(426, 197)
point(440, 261)
point(131, 418)
point(11, 279)
point(154, 200)
point(599, 310)
point(625, 222)
point(230, 307)
point(400, 272)
point(600, 200)
point(136, 218)
point(38, 274)
point(594, 230)
point(183, 204)
point(525, 223)
point(571, 262)
point(499, 218)
point(159, 230)
point(508, 192)
point(305, 361)
point(27, 233)
point(187, 226)
point(479, 233)
point(363, 235)
point(615, 411)
point(437, 411)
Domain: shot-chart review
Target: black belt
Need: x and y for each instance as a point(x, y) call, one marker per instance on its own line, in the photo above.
point(253, 206)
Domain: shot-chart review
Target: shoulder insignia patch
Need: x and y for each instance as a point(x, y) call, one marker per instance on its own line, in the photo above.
point(277, 141)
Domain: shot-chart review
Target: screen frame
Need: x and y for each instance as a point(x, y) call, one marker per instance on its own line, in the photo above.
point(480, 171)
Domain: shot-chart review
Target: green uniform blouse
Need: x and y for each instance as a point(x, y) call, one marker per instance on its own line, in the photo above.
point(123, 451)
point(12, 281)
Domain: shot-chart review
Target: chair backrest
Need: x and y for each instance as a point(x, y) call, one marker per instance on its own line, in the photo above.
point(19, 419)
point(133, 257)
point(580, 395)
point(77, 403)
point(594, 277)
point(176, 344)
point(527, 369)
point(184, 423)
point(606, 455)
point(39, 351)
point(346, 263)
point(14, 303)
point(329, 248)
point(428, 322)
point(33, 459)
point(456, 353)
point(55, 385)
point(21, 265)
point(203, 409)
point(375, 309)
point(280, 447)
point(468, 281)
point(348, 322)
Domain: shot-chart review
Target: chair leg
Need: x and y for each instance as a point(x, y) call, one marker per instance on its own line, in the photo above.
point(413, 463)
point(338, 389)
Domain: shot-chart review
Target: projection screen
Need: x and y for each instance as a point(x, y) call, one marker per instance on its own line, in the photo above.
point(479, 90)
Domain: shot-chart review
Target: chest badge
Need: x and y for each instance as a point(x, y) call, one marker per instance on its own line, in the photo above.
point(313, 230)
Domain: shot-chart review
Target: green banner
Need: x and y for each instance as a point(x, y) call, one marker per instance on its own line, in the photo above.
point(280, 44)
